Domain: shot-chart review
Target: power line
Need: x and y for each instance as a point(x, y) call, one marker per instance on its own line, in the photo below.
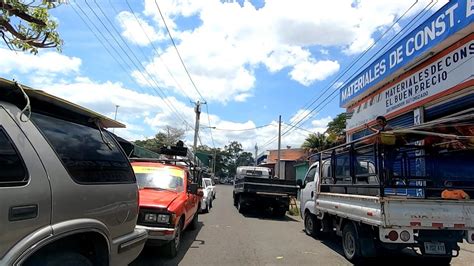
point(244, 129)
point(177, 52)
point(353, 63)
point(415, 19)
point(154, 47)
point(339, 76)
point(163, 96)
point(210, 128)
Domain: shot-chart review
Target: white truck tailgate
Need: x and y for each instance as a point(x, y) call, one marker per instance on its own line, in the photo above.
point(424, 213)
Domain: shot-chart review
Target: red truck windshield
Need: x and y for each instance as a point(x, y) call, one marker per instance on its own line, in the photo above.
point(159, 178)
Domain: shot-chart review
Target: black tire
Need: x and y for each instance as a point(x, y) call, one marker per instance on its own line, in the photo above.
point(312, 226)
point(351, 243)
point(60, 258)
point(240, 206)
point(171, 248)
point(206, 210)
point(279, 212)
point(195, 222)
point(235, 201)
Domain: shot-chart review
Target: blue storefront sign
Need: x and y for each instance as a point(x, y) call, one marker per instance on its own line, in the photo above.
point(451, 18)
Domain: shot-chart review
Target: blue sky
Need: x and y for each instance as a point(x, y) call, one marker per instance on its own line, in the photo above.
point(251, 61)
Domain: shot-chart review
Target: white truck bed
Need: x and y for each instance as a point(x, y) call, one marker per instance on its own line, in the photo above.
point(394, 212)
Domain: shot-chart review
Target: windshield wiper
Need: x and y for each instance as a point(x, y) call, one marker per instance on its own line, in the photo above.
point(158, 188)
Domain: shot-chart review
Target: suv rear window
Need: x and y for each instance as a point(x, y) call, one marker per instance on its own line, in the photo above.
point(84, 152)
point(12, 167)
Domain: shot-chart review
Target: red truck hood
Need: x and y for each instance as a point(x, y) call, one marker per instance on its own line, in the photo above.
point(157, 198)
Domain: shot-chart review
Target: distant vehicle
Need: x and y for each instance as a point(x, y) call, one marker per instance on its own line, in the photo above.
point(169, 202)
point(372, 193)
point(206, 201)
point(212, 186)
point(68, 195)
point(254, 187)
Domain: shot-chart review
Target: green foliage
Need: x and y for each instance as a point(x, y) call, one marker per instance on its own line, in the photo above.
point(27, 26)
point(166, 138)
point(336, 128)
point(229, 158)
point(316, 142)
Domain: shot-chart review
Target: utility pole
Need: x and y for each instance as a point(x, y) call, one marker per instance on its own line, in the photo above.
point(279, 147)
point(215, 162)
point(256, 153)
point(115, 116)
point(197, 110)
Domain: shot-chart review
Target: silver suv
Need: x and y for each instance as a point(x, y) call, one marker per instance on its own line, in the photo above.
point(68, 194)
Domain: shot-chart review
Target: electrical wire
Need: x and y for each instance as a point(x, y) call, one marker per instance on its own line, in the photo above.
point(177, 52)
point(339, 76)
point(162, 95)
point(353, 63)
point(244, 129)
point(178, 85)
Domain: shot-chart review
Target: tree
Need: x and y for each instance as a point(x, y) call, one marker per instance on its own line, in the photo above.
point(236, 157)
point(167, 138)
point(316, 142)
point(28, 26)
point(221, 159)
point(336, 129)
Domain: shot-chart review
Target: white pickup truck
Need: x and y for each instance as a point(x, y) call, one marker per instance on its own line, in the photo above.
point(394, 190)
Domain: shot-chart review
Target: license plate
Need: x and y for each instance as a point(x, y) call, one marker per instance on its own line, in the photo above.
point(435, 248)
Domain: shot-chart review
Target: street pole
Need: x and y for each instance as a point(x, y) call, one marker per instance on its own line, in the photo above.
point(256, 153)
point(197, 110)
point(279, 147)
point(115, 116)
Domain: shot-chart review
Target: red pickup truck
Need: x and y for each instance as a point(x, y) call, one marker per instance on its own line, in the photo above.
point(169, 203)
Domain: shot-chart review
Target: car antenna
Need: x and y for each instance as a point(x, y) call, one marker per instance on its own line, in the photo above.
point(27, 108)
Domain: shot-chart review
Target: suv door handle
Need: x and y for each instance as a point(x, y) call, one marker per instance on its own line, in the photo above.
point(18, 213)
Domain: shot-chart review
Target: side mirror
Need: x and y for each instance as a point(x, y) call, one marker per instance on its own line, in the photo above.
point(299, 183)
point(193, 188)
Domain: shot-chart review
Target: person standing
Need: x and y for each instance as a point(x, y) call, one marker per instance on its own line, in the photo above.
point(380, 126)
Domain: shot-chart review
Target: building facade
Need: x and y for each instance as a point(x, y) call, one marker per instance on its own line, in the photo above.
point(427, 75)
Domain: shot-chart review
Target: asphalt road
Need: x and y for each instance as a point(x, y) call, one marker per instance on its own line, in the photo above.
point(225, 237)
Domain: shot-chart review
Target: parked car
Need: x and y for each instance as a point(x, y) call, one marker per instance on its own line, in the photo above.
point(210, 183)
point(68, 194)
point(206, 202)
point(169, 202)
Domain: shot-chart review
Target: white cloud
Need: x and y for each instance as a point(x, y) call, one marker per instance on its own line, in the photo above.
point(44, 63)
point(137, 30)
point(233, 40)
point(308, 72)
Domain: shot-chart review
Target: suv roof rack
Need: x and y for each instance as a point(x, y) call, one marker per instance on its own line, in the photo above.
point(43, 102)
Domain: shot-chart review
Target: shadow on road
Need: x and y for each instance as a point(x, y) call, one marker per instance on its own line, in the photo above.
point(266, 214)
point(151, 255)
point(404, 257)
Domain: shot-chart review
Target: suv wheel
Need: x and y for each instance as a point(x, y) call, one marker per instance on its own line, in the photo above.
point(172, 247)
point(61, 258)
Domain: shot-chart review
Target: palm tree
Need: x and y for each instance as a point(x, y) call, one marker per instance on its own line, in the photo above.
point(316, 142)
